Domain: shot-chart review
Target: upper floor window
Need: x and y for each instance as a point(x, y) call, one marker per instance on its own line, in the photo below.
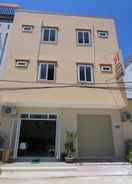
point(106, 68)
point(85, 72)
point(84, 37)
point(27, 28)
point(103, 34)
point(46, 71)
point(49, 34)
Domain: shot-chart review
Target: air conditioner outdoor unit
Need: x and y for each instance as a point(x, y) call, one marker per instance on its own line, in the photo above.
point(126, 116)
point(8, 110)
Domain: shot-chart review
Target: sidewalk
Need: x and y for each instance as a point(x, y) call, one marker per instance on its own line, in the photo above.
point(63, 170)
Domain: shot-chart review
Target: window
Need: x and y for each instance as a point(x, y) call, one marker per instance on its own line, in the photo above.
point(27, 28)
point(103, 34)
point(8, 26)
point(106, 68)
point(46, 71)
point(49, 34)
point(22, 63)
point(85, 72)
point(44, 116)
point(3, 46)
point(83, 37)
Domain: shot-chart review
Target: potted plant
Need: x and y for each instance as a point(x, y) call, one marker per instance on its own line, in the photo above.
point(4, 145)
point(70, 146)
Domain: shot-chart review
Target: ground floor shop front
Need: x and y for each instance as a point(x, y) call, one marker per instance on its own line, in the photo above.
point(40, 132)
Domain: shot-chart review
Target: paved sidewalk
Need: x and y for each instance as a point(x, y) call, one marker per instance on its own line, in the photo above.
point(59, 170)
point(79, 180)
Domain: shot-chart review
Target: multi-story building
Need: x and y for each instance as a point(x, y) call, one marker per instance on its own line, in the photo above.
point(57, 77)
point(7, 12)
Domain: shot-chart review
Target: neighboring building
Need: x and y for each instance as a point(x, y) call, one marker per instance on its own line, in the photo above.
point(7, 12)
point(58, 69)
point(127, 112)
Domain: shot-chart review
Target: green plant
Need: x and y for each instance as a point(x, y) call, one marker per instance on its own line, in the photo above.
point(4, 141)
point(70, 144)
point(129, 156)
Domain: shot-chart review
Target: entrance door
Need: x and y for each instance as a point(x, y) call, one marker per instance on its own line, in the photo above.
point(37, 138)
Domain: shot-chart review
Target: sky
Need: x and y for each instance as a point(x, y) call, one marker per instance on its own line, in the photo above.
point(121, 10)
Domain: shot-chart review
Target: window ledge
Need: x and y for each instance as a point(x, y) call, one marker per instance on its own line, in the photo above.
point(84, 45)
point(85, 82)
point(49, 42)
point(46, 81)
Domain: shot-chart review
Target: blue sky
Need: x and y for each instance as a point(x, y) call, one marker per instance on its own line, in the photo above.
point(121, 10)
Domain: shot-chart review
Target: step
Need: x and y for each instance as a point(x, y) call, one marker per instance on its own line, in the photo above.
point(37, 171)
point(37, 168)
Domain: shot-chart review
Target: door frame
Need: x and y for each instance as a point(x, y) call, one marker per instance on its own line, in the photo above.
point(57, 137)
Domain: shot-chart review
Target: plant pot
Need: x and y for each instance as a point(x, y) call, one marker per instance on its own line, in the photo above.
point(69, 160)
point(6, 155)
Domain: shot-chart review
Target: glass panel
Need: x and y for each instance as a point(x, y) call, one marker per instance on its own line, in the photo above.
point(44, 116)
point(0, 42)
point(52, 116)
point(50, 72)
point(46, 35)
point(80, 37)
point(43, 71)
point(82, 73)
point(24, 116)
point(52, 35)
point(88, 73)
point(103, 34)
point(35, 116)
point(86, 37)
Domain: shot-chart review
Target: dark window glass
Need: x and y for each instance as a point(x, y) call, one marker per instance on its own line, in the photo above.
point(44, 116)
point(52, 116)
point(50, 72)
point(82, 73)
point(88, 74)
point(43, 71)
point(80, 37)
point(35, 116)
point(46, 35)
point(24, 116)
point(86, 37)
point(103, 34)
point(52, 35)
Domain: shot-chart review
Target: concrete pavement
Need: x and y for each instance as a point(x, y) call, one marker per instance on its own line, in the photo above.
point(72, 180)
point(63, 170)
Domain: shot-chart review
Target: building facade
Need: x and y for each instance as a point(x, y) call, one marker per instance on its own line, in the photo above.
point(7, 13)
point(127, 112)
point(57, 78)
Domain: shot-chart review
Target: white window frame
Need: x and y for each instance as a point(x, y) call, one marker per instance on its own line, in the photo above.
point(49, 28)
point(27, 31)
point(78, 73)
point(58, 132)
point(22, 63)
point(84, 31)
point(103, 36)
point(39, 73)
point(102, 68)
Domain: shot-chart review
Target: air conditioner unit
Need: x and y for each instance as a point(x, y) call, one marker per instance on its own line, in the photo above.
point(8, 110)
point(126, 116)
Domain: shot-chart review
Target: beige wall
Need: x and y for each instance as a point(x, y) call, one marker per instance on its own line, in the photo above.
point(67, 54)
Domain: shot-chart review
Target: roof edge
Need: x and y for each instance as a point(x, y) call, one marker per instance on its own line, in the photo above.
point(9, 5)
point(59, 13)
